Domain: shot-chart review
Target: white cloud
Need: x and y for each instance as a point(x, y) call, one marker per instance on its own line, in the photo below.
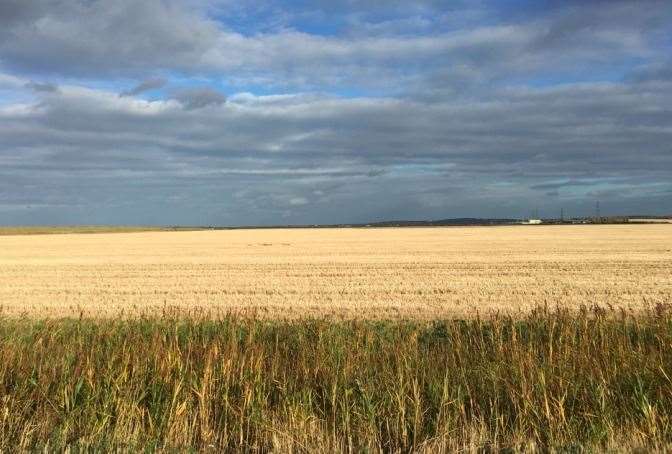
point(298, 201)
point(8, 81)
point(102, 39)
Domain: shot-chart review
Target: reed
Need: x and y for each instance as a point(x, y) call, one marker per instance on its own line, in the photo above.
point(549, 380)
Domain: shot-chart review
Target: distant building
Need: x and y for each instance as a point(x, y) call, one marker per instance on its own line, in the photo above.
point(651, 221)
point(532, 222)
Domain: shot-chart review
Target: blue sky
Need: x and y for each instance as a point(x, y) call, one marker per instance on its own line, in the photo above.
point(235, 113)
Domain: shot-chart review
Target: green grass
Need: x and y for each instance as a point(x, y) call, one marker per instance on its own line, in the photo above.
point(551, 380)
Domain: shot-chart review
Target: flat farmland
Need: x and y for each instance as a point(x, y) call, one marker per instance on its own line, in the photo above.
point(394, 273)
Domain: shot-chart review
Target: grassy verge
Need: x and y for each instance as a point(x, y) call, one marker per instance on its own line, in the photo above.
point(550, 380)
point(52, 230)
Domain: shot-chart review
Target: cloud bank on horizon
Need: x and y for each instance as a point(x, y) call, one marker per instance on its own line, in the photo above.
point(269, 112)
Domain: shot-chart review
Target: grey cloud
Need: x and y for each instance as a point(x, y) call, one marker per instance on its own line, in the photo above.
point(376, 173)
point(562, 184)
point(620, 24)
point(42, 87)
point(657, 71)
point(107, 154)
point(146, 85)
point(71, 37)
point(13, 11)
point(197, 98)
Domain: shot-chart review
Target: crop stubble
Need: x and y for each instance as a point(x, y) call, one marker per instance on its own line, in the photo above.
point(337, 273)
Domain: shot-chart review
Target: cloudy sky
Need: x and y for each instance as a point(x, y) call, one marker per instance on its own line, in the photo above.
point(204, 112)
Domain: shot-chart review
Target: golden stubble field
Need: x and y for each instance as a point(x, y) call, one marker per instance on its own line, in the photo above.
point(337, 273)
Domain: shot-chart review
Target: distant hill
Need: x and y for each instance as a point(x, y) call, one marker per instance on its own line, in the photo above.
point(444, 222)
point(398, 223)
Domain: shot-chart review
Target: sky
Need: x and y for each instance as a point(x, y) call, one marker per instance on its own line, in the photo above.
point(205, 112)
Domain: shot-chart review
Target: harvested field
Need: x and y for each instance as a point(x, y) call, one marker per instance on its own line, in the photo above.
point(337, 273)
point(532, 378)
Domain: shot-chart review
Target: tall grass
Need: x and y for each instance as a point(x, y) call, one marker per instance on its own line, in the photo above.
point(548, 380)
